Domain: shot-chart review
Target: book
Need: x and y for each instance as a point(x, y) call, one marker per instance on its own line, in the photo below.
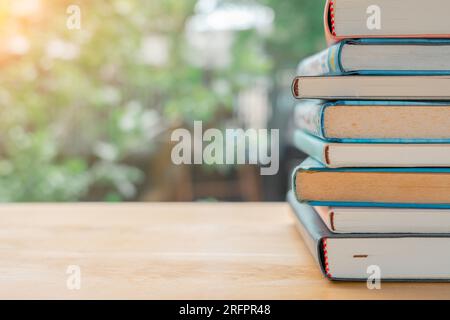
point(382, 220)
point(352, 257)
point(380, 56)
point(372, 87)
point(375, 121)
point(386, 18)
point(342, 155)
point(372, 187)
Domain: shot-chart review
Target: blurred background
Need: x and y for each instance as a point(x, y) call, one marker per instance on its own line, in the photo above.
point(86, 114)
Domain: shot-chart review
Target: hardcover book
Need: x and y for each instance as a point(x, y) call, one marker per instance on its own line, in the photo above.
point(383, 220)
point(375, 121)
point(352, 257)
point(380, 57)
point(386, 18)
point(372, 87)
point(341, 155)
point(317, 185)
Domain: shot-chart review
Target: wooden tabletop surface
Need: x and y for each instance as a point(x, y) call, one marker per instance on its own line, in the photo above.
point(168, 251)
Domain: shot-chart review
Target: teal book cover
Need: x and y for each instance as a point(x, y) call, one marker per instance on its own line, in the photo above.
point(330, 61)
point(310, 116)
point(311, 165)
point(316, 236)
point(312, 146)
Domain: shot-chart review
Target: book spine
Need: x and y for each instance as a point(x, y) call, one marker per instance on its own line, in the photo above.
point(329, 23)
point(296, 88)
point(308, 117)
point(327, 216)
point(332, 19)
point(325, 258)
point(311, 229)
point(324, 63)
point(312, 146)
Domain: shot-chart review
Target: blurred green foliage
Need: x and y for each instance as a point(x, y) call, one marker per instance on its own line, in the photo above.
point(80, 111)
point(298, 31)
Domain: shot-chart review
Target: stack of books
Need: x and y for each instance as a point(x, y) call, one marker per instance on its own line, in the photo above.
point(374, 117)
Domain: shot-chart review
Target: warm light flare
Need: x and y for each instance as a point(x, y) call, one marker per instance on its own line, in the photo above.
point(17, 45)
point(25, 8)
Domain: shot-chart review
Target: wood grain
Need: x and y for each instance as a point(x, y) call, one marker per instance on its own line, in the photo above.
point(169, 251)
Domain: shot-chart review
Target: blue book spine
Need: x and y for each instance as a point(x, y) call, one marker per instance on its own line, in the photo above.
point(308, 116)
point(312, 146)
point(326, 62)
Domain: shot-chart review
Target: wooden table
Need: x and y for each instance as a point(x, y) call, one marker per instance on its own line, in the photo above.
point(168, 251)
